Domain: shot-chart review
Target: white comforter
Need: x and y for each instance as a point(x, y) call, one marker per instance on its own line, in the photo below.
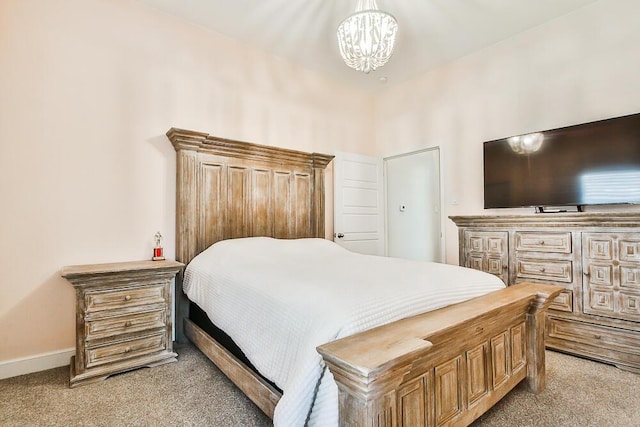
point(280, 299)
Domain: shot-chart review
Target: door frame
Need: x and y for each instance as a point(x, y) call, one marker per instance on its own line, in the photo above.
point(443, 216)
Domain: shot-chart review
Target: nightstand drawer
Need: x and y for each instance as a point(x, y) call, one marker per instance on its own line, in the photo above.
point(543, 242)
point(110, 299)
point(557, 271)
point(125, 350)
point(113, 326)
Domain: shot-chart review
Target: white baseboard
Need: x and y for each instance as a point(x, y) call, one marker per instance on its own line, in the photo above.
point(39, 362)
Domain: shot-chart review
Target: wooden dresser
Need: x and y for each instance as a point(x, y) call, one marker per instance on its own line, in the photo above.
point(594, 257)
point(123, 317)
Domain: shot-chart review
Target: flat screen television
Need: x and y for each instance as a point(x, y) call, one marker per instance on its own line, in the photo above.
point(589, 164)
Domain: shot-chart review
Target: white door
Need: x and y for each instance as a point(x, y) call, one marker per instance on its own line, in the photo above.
point(358, 203)
point(413, 212)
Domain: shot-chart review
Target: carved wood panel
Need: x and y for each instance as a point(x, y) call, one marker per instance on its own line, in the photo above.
point(475, 262)
point(383, 414)
point(629, 305)
point(237, 200)
point(563, 302)
point(487, 251)
point(612, 275)
point(282, 204)
point(412, 403)
point(500, 356)
point(261, 212)
point(448, 390)
point(477, 375)
point(601, 275)
point(496, 245)
point(630, 250)
point(464, 382)
point(494, 265)
point(302, 213)
point(518, 355)
point(230, 189)
point(475, 243)
point(211, 211)
point(629, 277)
point(241, 201)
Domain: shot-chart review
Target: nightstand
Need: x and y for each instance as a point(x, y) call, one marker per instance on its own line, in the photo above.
point(123, 317)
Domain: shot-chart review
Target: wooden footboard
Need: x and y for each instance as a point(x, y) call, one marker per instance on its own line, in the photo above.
point(445, 367)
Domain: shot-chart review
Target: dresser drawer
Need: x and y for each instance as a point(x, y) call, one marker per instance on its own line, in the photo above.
point(594, 335)
point(543, 242)
point(113, 326)
point(129, 297)
point(557, 271)
point(125, 350)
point(563, 302)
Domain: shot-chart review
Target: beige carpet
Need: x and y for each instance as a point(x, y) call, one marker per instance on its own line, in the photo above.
point(193, 392)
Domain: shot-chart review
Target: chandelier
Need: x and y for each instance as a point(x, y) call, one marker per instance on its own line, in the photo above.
point(366, 37)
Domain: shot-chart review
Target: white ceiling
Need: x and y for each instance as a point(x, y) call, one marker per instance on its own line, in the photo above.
point(431, 32)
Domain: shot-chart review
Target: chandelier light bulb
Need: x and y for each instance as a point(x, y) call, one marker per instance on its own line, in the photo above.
point(366, 38)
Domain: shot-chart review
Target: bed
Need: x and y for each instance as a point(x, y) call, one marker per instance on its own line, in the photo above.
point(442, 367)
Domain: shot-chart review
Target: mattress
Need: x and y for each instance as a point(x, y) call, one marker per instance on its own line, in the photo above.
point(280, 299)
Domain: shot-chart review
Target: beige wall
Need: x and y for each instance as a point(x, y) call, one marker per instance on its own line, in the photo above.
point(87, 90)
point(575, 69)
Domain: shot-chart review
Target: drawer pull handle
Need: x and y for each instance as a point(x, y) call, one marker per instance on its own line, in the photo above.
point(586, 273)
point(542, 270)
point(541, 242)
point(127, 323)
point(127, 349)
point(597, 337)
point(127, 298)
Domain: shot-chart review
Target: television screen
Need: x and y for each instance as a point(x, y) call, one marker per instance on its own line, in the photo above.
point(590, 164)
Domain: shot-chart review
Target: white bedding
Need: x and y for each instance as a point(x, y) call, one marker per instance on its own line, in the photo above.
point(280, 299)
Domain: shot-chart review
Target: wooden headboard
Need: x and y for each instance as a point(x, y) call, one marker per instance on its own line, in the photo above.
point(227, 189)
